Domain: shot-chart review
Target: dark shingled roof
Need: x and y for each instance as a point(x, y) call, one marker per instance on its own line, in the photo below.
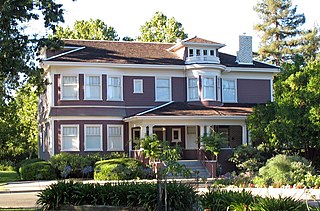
point(187, 109)
point(134, 53)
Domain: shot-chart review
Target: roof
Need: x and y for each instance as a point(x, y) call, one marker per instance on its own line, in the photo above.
point(188, 109)
point(99, 51)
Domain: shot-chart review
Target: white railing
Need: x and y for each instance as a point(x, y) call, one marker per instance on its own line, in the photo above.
point(203, 59)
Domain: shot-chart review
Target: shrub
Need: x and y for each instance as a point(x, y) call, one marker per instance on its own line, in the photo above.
point(247, 158)
point(284, 170)
point(40, 170)
point(119, 169)
point(6, 165)
point(25, 162)
point(286, 203)
point(117, 194)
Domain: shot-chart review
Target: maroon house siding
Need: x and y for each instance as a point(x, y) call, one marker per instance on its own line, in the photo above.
point(253, 91)
point(104, 123)
point(179, 89)
point(147, 98)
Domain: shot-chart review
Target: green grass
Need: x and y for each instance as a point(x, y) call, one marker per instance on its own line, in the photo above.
point(8, 176)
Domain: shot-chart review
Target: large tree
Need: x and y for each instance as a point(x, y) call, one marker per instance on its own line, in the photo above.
point(279, 28)
point(162, 29)
point(88, 30)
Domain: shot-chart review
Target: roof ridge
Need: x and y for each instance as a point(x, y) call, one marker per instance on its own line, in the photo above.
point(118, 41)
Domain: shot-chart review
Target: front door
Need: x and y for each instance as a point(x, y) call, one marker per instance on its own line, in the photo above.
point(191, 137)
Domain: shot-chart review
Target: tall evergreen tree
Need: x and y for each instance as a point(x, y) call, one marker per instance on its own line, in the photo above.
point(280, 29)
point(88, 30)
point(162, 29)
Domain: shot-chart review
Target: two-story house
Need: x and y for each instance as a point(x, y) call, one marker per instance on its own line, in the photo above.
point(103, 96)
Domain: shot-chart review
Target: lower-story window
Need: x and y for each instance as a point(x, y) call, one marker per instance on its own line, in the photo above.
point(115, 138)
point(93, 137)
point(70, 138)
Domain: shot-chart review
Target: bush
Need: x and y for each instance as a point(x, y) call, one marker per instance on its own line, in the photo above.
point(180, 196)
point(119, 169)
point(40, 170)
point(284, 170)
point(26, 162)
point(6, 165)
point(285, 203)
point(69, 165)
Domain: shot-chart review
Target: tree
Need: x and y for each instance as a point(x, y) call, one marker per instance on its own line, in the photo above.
point(213, 142)
point(88, 30)
point(279, 29)
point(162, 29)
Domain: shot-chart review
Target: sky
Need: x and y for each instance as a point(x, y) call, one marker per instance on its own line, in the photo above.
point(217, 20)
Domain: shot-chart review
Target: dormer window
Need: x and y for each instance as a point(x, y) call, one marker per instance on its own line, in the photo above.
point(198, 52)
point(205, 52)
point(212, 53)
point(190, 52)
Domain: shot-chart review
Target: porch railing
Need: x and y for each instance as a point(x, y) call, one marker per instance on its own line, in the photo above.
point(208, 163)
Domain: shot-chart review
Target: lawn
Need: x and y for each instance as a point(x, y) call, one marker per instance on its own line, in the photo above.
point(8, 176)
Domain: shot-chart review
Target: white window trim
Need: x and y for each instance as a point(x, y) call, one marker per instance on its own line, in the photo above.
point(61, 138)
point(61, 87)
point(193, 50)
point(85, 137)
point(235, 90)
point(188, 92)
point(170, 92)
point(121, 88)
point(179, 134)
point(214, 88)
point(85, 97)
point(141, 87)
point(122, 137)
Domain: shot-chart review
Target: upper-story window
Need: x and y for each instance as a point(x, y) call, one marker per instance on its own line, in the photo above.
point(93, 137)
point(208, 88)
point(205, 52)
point(191, 52)
point(229, 90)
point(114, 88)
point(92, 87)
point(137, 86)
point(193, 93)
point(70, 88)
point(70, 138)
point(212, 52)
point(198, 52)
point(163, 89)
point(219, 89)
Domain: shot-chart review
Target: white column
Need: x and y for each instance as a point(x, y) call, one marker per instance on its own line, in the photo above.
point(244, 134)
point(202, 132)
point(143, 131)
point(208, 129)
point(130, 138)
point(150, 129)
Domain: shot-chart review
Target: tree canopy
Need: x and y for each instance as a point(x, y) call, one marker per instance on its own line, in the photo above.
point(162, 29)
point(88, 30)
point(280, 29)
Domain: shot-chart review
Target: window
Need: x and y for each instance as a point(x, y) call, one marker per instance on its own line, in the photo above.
point(229, 90)
point(163, 89)
point(211, 52)
point(114, 88)
point(137, 86)
point(205, 52)
point(70, 138)
point(219, 89)
point(176, 135)
point(198, 52)
point(115, 138)
point(208, 85)
point(193, 89)
point(93, 88)
point(190, 52)
point(70, 88)
point(93, 137)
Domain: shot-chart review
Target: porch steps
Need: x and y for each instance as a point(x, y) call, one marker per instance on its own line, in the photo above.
point(195, 166)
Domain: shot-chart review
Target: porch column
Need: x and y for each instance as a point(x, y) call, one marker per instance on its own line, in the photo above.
point(244, 134)
point(143, 131)
point(130, 138)
point(202, 132)
point(208, 129)
point(150, 129)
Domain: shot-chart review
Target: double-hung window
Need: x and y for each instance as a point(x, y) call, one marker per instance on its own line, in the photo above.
point(93, 137)
point(70, 138)
point(137, 86)
point(93, 87)
point(229, 90)
point(193, 93)
point(208, 85)
point(70, 88)
point(115, 138)
point(114, 88)
point(163, 89)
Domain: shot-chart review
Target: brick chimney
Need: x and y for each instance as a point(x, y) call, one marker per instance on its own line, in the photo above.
point(244, 55)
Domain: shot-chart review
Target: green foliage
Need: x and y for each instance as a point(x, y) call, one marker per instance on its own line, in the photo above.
point(8, 176)
point(162, 29)
point(7, 165)
point(247, 158)
point(119, 169)
point(118, 194)
point(26, 162)
point(284, 170)
point(213, 142)
point(279, 29)
point(40, 170)
point(281, 203)
point(87, 30)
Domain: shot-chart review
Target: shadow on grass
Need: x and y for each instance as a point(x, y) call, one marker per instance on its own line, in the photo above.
point(8, 176)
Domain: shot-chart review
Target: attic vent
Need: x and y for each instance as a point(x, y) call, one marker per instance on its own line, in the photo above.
point(244, 55)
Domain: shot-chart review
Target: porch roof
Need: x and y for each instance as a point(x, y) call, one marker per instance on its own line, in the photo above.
point(190, 109)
